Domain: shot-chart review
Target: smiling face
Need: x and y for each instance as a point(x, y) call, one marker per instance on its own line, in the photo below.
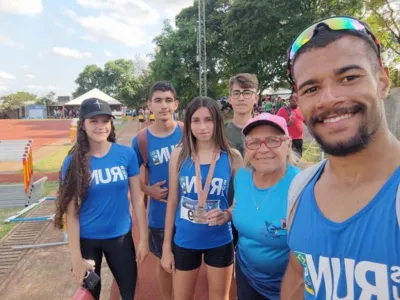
point(267, 159)
point(98, 128)
point(341, 100)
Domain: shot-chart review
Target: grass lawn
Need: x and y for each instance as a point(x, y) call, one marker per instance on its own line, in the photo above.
point(311, 154)
point(51, 163)
point(49, 189)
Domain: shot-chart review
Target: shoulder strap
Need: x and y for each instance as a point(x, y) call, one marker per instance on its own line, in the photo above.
point(398, 205)
point(288, 111)
point(303, 178)
point(297, 186)
point(180, 124)
point(143, 147)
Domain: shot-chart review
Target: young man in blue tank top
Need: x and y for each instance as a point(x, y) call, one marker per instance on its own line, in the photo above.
point(343, 230)
point(162, 137)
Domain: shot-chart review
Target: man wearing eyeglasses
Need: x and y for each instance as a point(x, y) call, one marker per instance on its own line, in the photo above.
point(344, 213)
point(243, 96)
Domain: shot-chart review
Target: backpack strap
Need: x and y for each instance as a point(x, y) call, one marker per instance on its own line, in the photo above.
point(303, 178)
point(288, 111)
point(398, 205)
point(297, 186)
point(143, 146)
point(181, 125)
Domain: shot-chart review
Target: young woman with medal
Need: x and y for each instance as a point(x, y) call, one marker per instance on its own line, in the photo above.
point(259, 214)
point(200, 171)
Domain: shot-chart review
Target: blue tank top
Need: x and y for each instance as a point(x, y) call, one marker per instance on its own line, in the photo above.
point(355, 259)
point(191, 235)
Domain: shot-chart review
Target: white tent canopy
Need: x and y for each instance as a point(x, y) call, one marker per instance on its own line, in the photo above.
point(95, 93)
point(270, 91)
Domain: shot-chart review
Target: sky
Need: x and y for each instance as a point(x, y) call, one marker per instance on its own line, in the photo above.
point(45, 44)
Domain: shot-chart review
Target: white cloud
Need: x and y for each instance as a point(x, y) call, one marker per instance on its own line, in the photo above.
point(133, 11)
point(170, 7)
point(106, 53)
point(88, 38)
point(118, 20)
point(6, 76)
point(108, 27)
point(68, 30)
point(25, 67)
point(21, 7)
point(7, 41)
point(30, 76)
point(3, 88)
point(42, 87)
point(67, 52)
point(141, 63)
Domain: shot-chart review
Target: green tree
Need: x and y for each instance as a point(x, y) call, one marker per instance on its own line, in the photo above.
point(17, 100)
point(175, 59)
point(242, 36)
point(176, 55)
point(91, 77)
point(117, 79)
point(259, 33)
point(383, 16)
point(47, 99)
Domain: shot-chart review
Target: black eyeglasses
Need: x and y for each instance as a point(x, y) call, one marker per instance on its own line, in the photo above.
point(246, 94)
point(270, 142)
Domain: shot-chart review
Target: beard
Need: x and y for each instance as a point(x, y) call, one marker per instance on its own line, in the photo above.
point(354, 144)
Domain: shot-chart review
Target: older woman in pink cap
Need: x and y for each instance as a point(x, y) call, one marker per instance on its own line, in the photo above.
point(259, 213)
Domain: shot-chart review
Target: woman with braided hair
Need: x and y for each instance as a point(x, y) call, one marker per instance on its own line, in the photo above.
point(93, 194)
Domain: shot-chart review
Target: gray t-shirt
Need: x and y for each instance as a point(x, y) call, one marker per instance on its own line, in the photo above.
point(234, 135)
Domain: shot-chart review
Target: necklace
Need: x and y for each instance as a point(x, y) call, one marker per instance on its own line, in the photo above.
point(266, 197)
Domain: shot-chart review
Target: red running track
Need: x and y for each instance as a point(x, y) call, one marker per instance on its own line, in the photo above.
point(42, 132)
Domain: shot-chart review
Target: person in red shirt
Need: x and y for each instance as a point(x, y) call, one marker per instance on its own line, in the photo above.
point(295, 121)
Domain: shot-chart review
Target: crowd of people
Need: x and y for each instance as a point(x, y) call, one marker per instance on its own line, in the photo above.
point(231, 195)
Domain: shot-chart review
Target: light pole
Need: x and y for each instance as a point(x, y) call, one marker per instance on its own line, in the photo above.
point(201, 49)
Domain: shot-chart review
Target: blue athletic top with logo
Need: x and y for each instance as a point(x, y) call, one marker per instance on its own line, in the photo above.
point(355, 259)
point(189, 234)
point(262, 251)
point(104, 213)
point(159, 153)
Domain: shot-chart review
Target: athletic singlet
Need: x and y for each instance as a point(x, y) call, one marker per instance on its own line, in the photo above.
point(191, 235)
point(159, 153)
point(355, 259)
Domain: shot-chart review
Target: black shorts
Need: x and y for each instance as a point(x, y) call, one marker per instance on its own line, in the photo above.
point(156, 240)
point(141, 120)
point(190, 259)
point(297, 145)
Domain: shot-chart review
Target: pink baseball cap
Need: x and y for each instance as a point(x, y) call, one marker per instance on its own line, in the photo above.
point(266, 119)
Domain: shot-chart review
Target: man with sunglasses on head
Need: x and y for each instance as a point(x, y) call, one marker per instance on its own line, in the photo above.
point(344, 213)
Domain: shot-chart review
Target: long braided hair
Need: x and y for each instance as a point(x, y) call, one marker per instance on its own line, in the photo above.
point(77, 179)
